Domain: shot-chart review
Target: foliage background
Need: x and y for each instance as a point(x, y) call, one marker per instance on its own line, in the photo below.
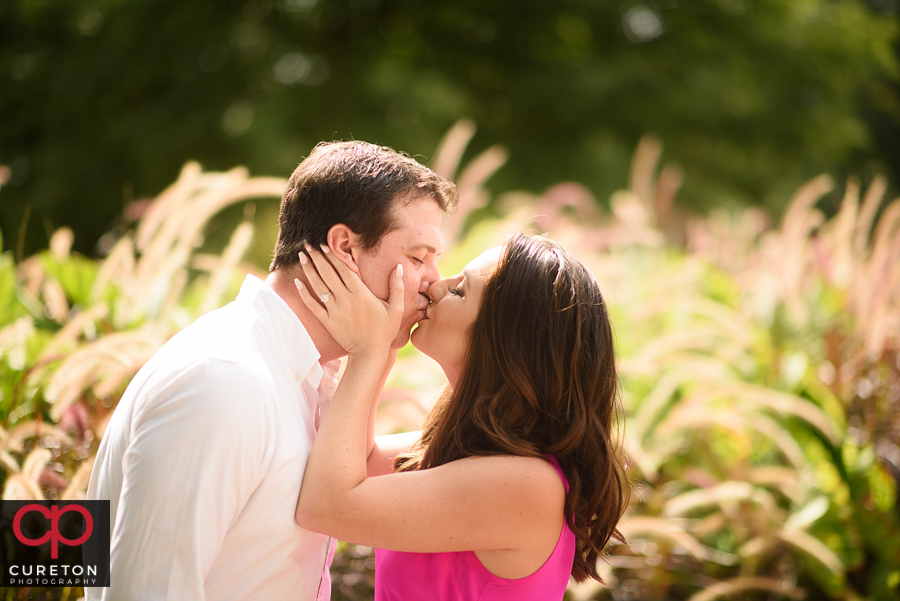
point(759, 364)
point(104, 99)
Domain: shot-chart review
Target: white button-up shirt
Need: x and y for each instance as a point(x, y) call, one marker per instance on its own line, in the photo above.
point(203, 458)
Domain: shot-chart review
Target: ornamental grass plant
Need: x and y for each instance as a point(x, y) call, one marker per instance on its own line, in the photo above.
point(760, 365)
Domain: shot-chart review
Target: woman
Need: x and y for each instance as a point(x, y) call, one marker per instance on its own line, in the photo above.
point(516, 482)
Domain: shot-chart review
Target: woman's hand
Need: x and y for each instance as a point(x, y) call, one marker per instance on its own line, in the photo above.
point(359, 321)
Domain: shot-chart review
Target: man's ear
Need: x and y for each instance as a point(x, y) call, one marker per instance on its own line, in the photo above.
point(344, 244)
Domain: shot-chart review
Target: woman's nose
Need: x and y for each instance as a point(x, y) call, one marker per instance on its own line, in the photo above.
point(437, 290)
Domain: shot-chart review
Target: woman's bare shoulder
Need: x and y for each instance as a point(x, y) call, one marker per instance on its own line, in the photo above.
point(530, 475)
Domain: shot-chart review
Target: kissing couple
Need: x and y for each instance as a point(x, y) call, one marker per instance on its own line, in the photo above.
point(237, 455)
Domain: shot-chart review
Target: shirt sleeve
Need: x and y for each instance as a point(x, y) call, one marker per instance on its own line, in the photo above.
point(196, 454)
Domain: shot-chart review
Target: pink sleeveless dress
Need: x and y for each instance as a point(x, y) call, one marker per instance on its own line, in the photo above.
point(460, 576)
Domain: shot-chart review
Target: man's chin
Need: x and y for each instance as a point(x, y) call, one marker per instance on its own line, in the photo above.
point(406, 330)
point(401, 339)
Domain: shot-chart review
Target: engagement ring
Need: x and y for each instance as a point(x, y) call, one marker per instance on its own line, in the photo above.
point(324, 297)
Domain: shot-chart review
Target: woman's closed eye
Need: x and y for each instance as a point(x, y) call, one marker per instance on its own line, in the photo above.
point(456, 291)
point(418, 260)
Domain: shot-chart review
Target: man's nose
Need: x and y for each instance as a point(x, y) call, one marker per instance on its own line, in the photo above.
point(430, 275)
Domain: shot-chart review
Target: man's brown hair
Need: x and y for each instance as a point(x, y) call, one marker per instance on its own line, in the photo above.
point(354, 183)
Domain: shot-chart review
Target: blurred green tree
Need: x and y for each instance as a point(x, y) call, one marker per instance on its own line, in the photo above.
point(103, 100)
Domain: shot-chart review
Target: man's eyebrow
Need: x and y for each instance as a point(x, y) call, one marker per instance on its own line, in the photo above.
point(427, 247)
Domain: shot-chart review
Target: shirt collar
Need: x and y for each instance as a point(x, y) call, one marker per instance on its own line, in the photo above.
point(285, 328)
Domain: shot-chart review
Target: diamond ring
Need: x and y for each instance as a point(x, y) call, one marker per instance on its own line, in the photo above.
point(324, 297)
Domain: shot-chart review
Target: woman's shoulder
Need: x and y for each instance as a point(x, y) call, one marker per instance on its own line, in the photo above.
point(534, 476)
point(543, 463)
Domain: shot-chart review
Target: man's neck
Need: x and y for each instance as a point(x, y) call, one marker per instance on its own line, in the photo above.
point(282, 283)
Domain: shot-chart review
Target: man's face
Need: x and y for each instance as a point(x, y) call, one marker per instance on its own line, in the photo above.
point(416, 245)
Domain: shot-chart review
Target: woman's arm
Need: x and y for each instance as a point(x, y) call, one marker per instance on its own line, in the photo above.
point(387, 447)
point(370, 432)
point(477, 503)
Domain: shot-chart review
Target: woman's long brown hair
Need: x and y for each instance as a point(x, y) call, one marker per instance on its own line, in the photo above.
point(540, 379)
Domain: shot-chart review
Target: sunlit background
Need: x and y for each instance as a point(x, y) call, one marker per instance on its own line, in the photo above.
point(104, 100)
point(725, 167)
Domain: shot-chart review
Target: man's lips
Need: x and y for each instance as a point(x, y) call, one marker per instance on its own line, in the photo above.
point(424, 303)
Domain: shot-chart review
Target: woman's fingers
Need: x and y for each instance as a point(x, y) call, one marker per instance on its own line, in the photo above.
point(326, 269)
point(395, 300)
point(312, 304)
point(313, 277)
point(348, 276)
point(358, 321)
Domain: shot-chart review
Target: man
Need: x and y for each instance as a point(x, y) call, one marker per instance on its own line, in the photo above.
point(204, 456)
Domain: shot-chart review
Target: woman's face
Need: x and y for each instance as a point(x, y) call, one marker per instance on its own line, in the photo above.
point(444, 333)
